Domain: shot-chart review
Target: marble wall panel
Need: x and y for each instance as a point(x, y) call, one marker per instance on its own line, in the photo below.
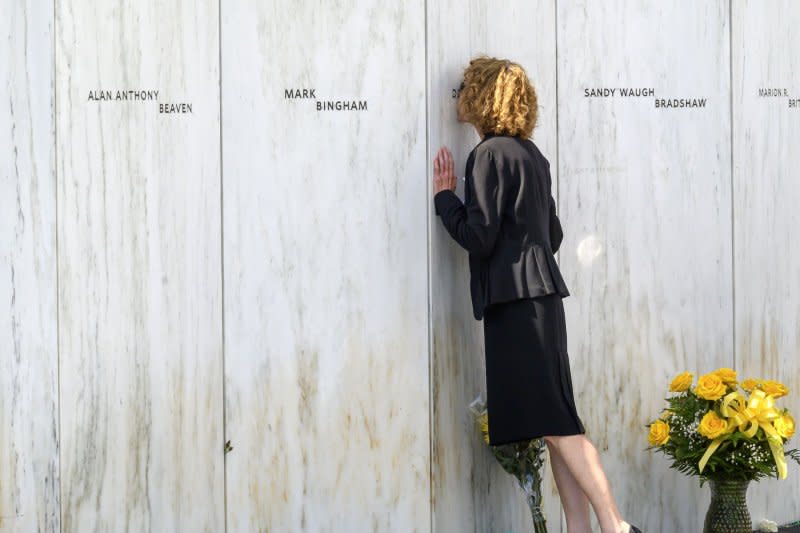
point(766, 192)
point(29, 485)
point(325, 253)
point(139, 252)
point(645, 200)
point(343, 360)
point(471, 492)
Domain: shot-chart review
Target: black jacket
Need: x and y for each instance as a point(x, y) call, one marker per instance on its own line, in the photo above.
point(507, 222)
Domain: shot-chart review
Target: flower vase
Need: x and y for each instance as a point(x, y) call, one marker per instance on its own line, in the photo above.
point(728, 512)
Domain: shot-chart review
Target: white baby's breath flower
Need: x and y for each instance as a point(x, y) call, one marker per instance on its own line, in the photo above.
point(767, 525)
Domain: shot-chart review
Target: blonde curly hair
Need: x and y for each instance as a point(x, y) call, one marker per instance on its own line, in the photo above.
point(497, 97)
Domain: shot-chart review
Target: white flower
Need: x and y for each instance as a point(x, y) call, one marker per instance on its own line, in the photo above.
point(767, 525)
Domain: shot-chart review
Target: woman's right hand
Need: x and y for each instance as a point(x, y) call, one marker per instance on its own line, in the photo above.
point(443, 176)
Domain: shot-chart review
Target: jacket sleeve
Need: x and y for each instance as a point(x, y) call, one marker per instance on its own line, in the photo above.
point(475, 225)
point(556, 234)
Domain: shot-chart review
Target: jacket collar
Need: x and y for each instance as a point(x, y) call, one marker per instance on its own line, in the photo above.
point(486, 137)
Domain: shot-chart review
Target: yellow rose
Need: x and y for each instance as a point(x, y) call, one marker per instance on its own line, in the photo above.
point(712, 426)
point(784, 426)
point(774, 388)
point(483, 421)
point(665, 414)
point(659, 433)
point(710, 387)
point(750, 384)
point(681, 382)
point(727, 375)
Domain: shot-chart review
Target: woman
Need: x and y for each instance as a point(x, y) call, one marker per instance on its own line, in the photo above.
point(508, 224)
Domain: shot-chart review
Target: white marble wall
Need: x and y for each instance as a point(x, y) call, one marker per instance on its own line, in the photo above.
point(325, 254)
point(766, 192)
point(29, 473)
point(139, 266)
point(471, 492)
point(645, 200)
point(262, 272)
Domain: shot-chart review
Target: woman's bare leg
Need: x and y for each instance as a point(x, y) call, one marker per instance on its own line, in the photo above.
point(573, 499)
point(583, 462)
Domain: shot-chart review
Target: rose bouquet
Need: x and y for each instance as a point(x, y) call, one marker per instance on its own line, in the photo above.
point(728, 433)
point(522, 460)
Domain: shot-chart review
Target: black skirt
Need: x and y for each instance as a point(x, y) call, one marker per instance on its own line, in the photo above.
point(528, 379)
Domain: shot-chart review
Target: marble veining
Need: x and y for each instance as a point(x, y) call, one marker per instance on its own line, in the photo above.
point(139, 248)
point(326, 306)
point(29, 475)
point(215, 230)
point(766, 192)
point(471, 491)
point(645, 201)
